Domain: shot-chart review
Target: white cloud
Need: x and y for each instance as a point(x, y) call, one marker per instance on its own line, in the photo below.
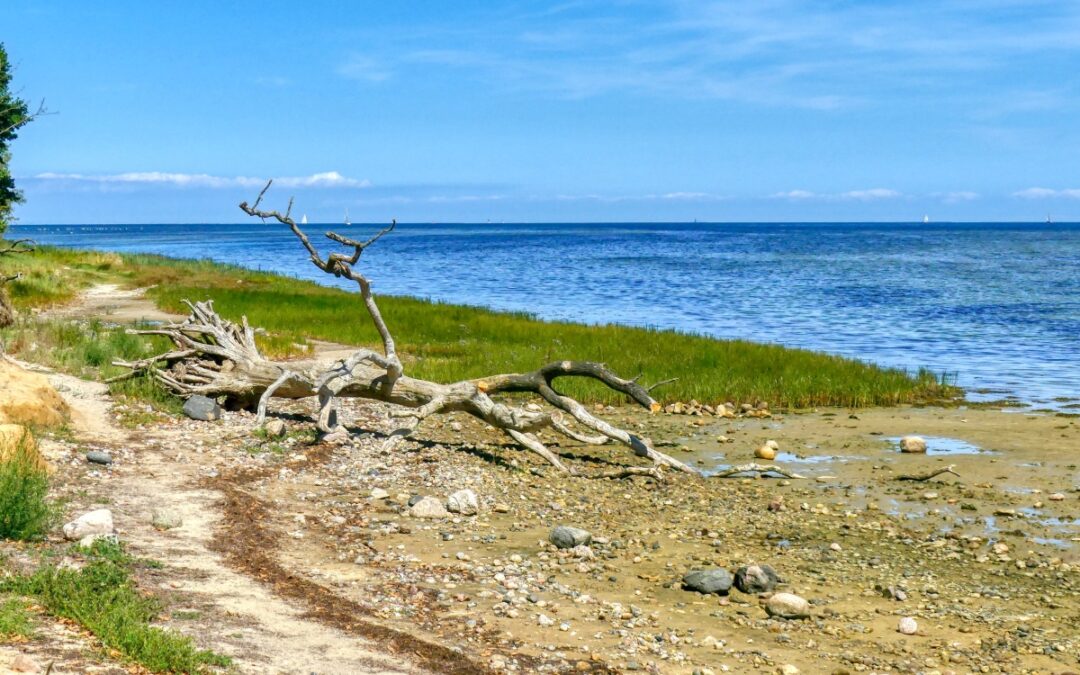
point(325, 179)
point(870, 195)
point(957, 197)
point(1047, 193)
point(858, 195)
point(364, 68)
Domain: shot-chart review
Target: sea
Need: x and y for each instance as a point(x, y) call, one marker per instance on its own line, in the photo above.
point(995, 306)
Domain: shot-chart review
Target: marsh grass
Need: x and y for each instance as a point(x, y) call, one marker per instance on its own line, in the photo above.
point(25, 511)
point(446, 342)
point(102, 597)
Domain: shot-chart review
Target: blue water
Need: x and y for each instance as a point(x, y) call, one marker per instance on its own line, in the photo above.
point(998, 305)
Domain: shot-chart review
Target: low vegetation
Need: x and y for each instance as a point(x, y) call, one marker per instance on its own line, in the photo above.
point(445, 342)
point(14, 619)
point(25, 512)
point(103, 598)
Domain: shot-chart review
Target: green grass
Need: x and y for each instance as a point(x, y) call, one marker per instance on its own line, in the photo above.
point(14, 619)
point(25, 512)
point(445, 342)
point(103, 598)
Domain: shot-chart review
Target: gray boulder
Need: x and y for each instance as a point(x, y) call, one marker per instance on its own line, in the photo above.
point(98, 457)
point(716, 580)
point(428, 507)
point(755, 579)
point(202, 408)
point(564, 536)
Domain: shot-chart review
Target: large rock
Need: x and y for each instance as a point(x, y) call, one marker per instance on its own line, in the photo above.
point(564, 536)
point(912, 444)
point(17, 438)
point(787, 606)
point(92, 524)
point(755, 579)
point(202, 408)
point(716, 580)
point(428, 507)
point(463, 502)
point(28, 398)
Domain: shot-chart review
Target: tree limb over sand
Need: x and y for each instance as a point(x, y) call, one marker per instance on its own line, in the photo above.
point(7, 312)
point(216, 357)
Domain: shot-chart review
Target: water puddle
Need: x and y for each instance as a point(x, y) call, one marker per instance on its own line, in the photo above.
point(784, 456)
point(943, 445)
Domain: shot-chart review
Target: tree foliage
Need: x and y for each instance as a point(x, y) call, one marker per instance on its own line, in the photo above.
point(14, 113)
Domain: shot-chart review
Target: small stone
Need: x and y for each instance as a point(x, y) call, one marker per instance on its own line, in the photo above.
point(787, 669)
point(428, 507)
point(716, 580)
point(835, 547)
point(275, 429)
point(202, 408)
point(545, 620)
point(908, 626)
point(825, 479)
point(379, 493)
point(455, 426)
point(501, 508)
point(1056, 497)
point(765, 452)
point(24, 664)
point(166, 519)
point(787, 606)
point(1000, 548)
point(463, 502)
point(912, 444)
point(564, 536)
point(92, 523)
point(754, 579)
point(98, 457)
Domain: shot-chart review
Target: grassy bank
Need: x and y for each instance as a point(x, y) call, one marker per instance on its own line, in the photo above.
point(447, 342)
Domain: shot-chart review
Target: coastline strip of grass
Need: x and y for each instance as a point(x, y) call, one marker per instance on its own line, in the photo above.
point(446, 342)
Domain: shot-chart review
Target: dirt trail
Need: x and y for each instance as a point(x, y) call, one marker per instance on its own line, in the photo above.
point(234, 614)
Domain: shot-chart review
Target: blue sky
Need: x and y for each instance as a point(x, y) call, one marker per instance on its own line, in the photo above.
point(575, 111)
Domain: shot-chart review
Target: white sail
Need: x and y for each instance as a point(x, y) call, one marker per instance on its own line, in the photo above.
point(926, 219)
point(303, 221)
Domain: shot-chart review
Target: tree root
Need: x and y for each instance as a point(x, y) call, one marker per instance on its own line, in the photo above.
point(927, 476)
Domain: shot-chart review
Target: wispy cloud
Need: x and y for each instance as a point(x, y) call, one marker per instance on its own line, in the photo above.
point(871, 194)
point(1047, 193)
point(328, 179)
point(958, 197)
point(364, 68)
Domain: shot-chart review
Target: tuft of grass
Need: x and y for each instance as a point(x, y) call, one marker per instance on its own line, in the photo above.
point(25, 512)
point(14, 619)
point(103, 598)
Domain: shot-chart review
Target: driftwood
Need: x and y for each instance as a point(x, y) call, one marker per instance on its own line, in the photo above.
point(7, 311)
point(215, 357)
point(754, 467)
point(927, 476)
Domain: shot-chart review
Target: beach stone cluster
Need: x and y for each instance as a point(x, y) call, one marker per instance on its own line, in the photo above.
point(727, 410)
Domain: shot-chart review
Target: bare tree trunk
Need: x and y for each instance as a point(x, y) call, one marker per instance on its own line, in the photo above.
point(7, 310)
point(214, 357)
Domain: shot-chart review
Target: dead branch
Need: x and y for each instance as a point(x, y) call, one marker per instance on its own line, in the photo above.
point(215, 357)
point(927, 476)
point(754, 467)
point(41, 110)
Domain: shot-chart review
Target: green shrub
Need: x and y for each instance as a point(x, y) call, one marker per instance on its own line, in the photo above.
point(14, 619)
point(25, 512)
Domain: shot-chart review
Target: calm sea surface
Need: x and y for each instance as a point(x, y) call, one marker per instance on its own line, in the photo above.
point(998, 305)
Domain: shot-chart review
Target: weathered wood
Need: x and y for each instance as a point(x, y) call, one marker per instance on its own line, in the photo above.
point(216, 357)
point(927, 476)
point(754, 467)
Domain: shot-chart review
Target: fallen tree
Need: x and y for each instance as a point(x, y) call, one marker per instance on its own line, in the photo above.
point(216, 357)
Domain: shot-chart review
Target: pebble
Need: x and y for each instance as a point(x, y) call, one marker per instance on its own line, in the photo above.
point(97, 522)
point(565, 536)
point(716, 580)
point(379, 493)
point(275, 428)
point(835, 547)
point(545, 620)
point(765, 452)
point(24, 664)
point(787, 669)
point(463, 502)
point(1056, 497)
point(908, 626)
point(913, 444)
point(98, 457)
point(787, 606)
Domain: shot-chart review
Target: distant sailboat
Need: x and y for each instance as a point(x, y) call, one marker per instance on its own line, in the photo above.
point(925, 219)
point(1049, 221)
point(347, 221)
point(303, 221)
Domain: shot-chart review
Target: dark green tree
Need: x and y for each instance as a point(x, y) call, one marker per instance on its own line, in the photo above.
point(14, 114)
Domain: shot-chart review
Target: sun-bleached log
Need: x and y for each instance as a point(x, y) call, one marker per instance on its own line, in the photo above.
point(215, 357)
